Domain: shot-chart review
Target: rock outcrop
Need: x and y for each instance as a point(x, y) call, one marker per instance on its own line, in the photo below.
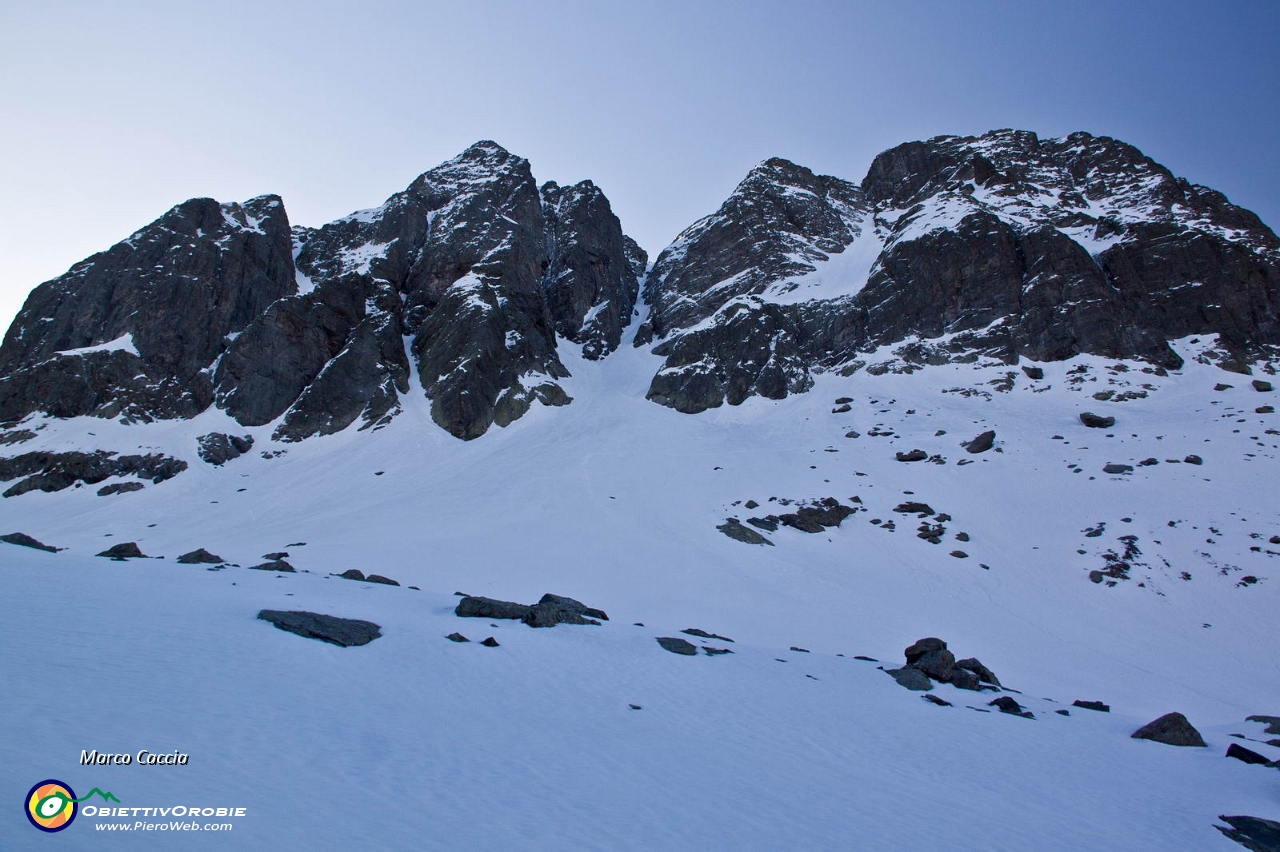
point(44, 471)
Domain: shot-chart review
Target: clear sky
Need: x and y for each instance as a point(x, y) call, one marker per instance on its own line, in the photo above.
point(114, 112)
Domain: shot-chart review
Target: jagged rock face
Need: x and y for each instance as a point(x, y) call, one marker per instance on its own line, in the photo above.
point(464, 279)
point(778, 223)
point(637, 257)
point(722, 275)
point(749, 351)
point(447, 273)
point(1003, 246)
point(130, 332)
point(590, 282)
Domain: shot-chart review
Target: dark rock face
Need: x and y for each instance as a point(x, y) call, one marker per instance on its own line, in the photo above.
point(24, 540)
point(957, 236)
point(343, 632)
point(637, 257)
point(746, 352)
point(677, 645)
point(590, 281)
point(456, 263)
point(1253, 833)
point(124, 550)
point(778, 223)
point(200, 557)
point(217, 448)
point(43, 471)
point(381, 580)
point(1170, 729)
point(129, 332)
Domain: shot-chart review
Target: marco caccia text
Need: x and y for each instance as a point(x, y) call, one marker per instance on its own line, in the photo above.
point(142, 758)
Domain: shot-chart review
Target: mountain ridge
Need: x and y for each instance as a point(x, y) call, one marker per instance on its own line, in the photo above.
point(464, 286)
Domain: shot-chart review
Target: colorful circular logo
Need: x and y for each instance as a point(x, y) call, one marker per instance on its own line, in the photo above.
point(51, 805)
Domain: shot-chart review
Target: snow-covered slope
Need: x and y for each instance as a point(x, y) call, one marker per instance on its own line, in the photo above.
point(415, 742)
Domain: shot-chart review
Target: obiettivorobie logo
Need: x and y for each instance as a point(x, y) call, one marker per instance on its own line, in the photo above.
point(52, 805)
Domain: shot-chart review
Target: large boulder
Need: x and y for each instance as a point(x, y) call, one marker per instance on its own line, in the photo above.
point(920, 647)
point(1097, 421)
point(911, 678)
point(1170, 729)
point(344, 632)
point(982, 443)
point(124, 550)
point(936, 664)
point(676, 645)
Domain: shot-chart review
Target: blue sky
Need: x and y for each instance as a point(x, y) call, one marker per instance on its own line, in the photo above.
point(115, 112)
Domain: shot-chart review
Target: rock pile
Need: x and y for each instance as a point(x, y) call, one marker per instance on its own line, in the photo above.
point(929, 658)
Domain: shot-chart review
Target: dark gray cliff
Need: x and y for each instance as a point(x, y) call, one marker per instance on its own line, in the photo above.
point(166, 298)
point(1004, 246)
point(590, 281)
point(444, 279)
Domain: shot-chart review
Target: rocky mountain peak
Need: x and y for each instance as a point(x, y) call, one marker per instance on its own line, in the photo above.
point(779, 221)
point(1002, 245)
